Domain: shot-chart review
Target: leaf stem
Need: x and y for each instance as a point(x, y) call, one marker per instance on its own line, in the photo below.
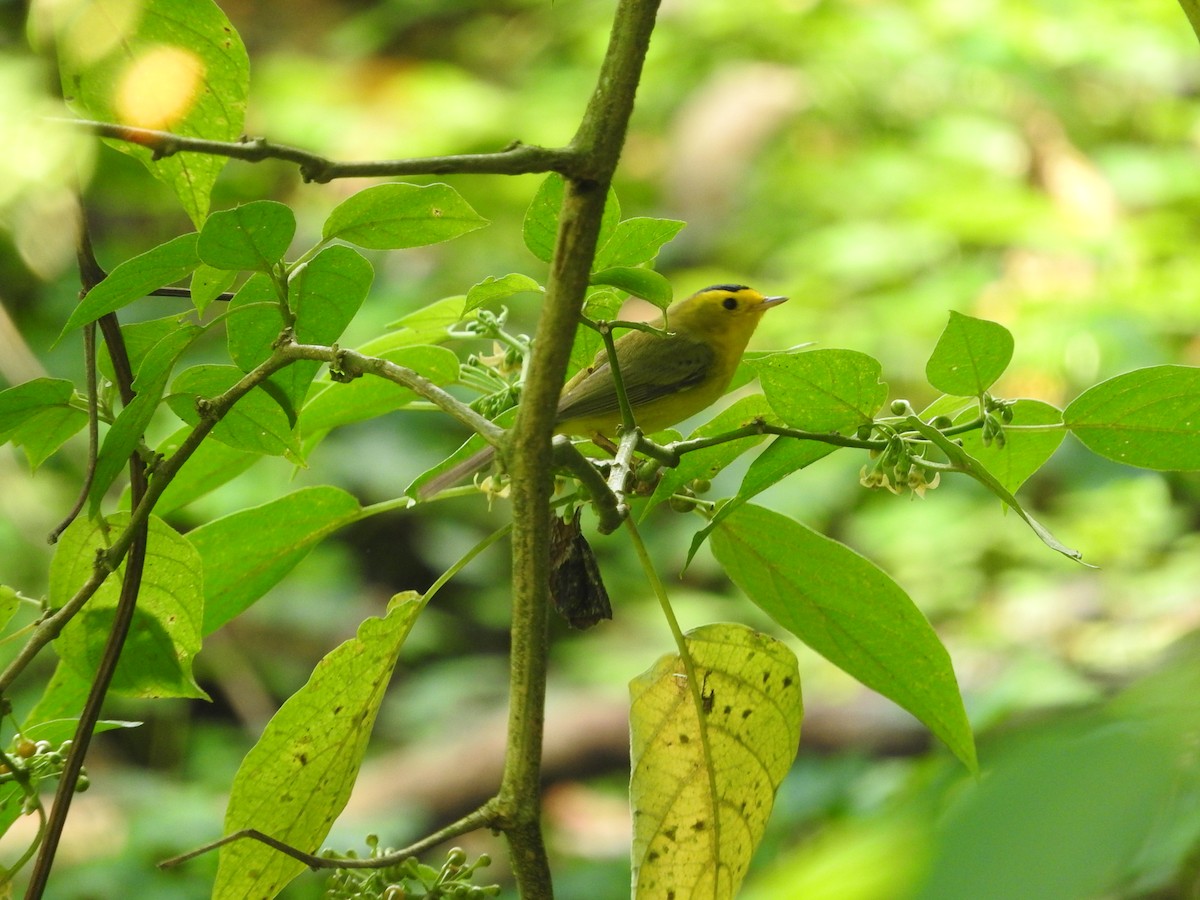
point(464, 561)
point(694, 682)
point(628, 423)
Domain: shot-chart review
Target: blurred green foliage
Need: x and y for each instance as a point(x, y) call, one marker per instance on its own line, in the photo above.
point(879, 162)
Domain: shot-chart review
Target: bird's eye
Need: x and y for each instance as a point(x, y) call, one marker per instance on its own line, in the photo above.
point(729, 303)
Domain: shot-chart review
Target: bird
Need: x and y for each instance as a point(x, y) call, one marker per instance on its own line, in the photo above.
point(669, 375)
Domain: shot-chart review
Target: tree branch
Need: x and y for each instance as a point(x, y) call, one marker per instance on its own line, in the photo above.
point(517, 159)
point(349, 364)
point(598, 142)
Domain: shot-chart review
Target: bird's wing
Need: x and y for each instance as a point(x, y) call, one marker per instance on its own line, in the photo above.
point(651, 367)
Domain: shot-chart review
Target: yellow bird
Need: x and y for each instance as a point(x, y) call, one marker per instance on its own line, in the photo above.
point(667, 378)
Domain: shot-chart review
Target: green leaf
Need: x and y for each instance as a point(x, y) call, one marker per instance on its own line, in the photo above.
point(427, 325)
point(248, 552)
point(327, 292)
point(1148, 418)
point(970, 355)
point(12, 802)
point(156, 364)
point(1070, 808)
point(822, 390)
point(849, 611)
point(707, 463)
point(165, 634)
point(58, 730)
point(139, 338)
point(395, 216)
point(644, 283)
point(469, 448)
point(636, 241)
point(21, 403)
point(130, 425)
point(601, 305)
point(953, 408)
point(212, 465)
point(1191, 9)
point(255, 423)
point(968, 465)
point(254, 322)
point(208, 284)
point(540, 228)
point(296, 780)
point(136, 278)
point(704, 780)
point(174, 65)
point(10, 602)
point(251, 236)
point(781, 458)
point(1024, 451)
point(42, 434)
point(492, 289)
point(371, 396)
point(324, 295)
point(63, 697)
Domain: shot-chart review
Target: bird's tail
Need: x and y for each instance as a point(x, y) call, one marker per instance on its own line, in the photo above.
point(477, 462)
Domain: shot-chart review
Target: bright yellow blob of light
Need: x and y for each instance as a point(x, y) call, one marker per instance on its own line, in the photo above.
point(87, 30)
point(159, 87)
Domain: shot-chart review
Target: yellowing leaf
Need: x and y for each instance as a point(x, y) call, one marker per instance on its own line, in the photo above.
point(705, 774)
point(295, 781)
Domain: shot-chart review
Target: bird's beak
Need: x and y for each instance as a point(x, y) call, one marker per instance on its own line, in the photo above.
point(773, 301)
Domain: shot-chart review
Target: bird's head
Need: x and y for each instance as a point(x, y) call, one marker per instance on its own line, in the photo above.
point(721, 309)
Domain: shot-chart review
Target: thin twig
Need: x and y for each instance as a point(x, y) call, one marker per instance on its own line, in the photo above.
point(610, 508)
point(621, 475)
point(517, 159)
point(610, 349)
point(90, 274)
point(480, 818)
point(89, 472)
point(186, 294)
point(348, 364)
point(673, 452)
